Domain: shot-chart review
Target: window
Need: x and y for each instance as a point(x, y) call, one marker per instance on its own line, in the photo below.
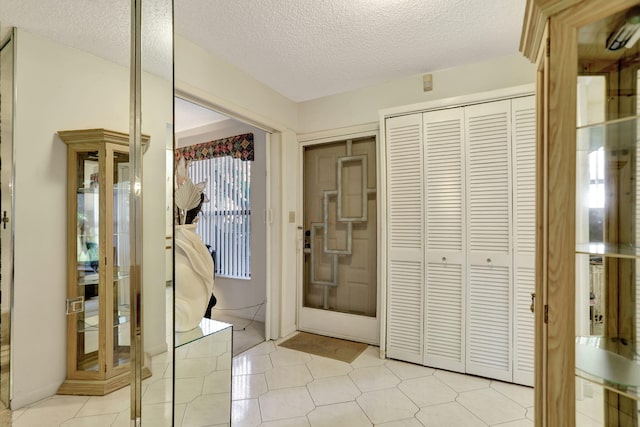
point(225, 222)
point(596, 179)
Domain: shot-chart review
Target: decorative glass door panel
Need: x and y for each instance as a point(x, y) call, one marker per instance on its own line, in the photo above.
point(121, 260)
point(607, 254)
point(88, 261)
point(340, 236)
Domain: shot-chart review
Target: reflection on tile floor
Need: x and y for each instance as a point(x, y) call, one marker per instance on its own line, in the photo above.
point(274, 386)
point(246, 333)
point(278, 387)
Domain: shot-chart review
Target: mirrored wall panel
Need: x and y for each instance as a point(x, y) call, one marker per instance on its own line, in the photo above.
point(73, 73)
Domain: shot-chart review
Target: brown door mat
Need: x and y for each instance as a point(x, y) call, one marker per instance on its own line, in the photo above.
point(343, 350)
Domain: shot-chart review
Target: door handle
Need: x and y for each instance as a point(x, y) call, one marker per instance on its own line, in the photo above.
point(533, 302)
point(5, 220)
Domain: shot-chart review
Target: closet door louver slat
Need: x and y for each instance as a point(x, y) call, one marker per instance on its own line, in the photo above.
point(405, 238)
point(444, 209)
point(489, 340)
point(489, 330)
point(524, 162)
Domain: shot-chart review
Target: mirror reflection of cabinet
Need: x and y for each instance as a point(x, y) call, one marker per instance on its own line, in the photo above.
point(98, 299)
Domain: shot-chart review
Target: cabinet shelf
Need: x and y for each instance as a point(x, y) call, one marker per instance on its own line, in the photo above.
point(87, 191)
point(92, 279)
point(612, 135)
point(91, 324)
point(614, 250)
point(612, 363)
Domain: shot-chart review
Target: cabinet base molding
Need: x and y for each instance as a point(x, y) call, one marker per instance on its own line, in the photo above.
point(100, 387)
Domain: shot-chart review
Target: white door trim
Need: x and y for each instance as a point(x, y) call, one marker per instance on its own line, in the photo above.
point(274, 234)
point(359, 327)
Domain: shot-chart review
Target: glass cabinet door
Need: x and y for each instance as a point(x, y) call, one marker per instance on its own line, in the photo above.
point(88, 250)
point(121, 263)
point(607, 219)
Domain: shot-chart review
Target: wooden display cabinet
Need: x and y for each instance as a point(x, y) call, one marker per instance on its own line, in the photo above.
point(568, 39)
point(98, 299)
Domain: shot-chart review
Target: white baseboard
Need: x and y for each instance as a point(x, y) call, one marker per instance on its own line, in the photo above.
point(20, 400)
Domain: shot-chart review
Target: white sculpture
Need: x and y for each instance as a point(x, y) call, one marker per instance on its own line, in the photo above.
point(193, 263)
point(194, 278)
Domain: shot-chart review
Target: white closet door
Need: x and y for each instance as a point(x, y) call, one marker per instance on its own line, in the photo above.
point(445, 265)
point(405, 237)
point(523, 118)
point(489, 330)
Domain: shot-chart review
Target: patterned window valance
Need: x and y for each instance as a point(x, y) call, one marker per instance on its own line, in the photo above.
point(239, 147)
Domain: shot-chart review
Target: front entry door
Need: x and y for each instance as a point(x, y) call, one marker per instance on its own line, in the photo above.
point(339, 295)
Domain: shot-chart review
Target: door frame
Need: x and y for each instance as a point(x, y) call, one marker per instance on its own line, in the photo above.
point(273, 238)
point(326, 137)
point(6, 390)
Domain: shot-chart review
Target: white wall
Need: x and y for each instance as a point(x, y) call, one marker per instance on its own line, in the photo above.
point(62, 89)
point(235, 293)
point(157, 114)
point(199, 73)
point(230, 90)
point(215, 81)
point(291, 235)
point(362, 105)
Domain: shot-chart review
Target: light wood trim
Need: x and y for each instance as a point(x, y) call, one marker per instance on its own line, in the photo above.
point(84, 387)
point(542, 203)
point(551, 7)
point(531, 37)
point(72, 218)
point(98, 136)
point(589, 11)
point(535, 16)
point(561, 194)
point(576, 13)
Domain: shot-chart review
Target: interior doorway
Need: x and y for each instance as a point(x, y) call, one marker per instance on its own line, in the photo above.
point(339, 295)
point(232, 222)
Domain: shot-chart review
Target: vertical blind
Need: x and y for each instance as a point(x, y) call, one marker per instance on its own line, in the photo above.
point(225, 222)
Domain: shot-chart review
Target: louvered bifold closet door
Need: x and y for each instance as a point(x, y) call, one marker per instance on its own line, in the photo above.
point(445, 242)
point(405, 237)
point(523, 119)
point(489, 331)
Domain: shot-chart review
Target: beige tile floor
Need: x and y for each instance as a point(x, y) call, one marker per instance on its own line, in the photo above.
point(274, 386)
point(278, 387)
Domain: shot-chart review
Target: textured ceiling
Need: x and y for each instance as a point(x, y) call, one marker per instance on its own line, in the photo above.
point(102, 27)
point(303, 49)
point(307, 49)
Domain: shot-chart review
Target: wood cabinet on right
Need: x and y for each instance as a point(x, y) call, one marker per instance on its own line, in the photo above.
point(588, 221)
